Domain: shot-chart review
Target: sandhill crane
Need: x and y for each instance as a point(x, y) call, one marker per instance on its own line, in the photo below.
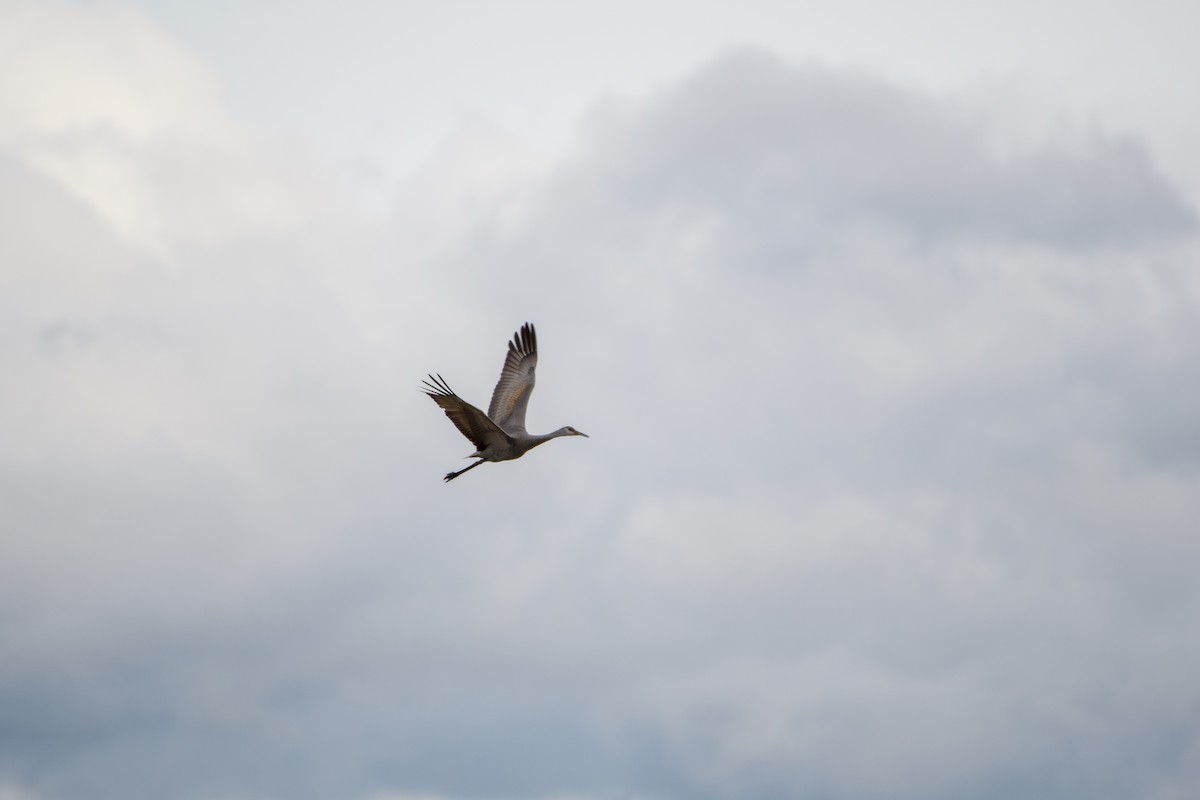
point(500, 434)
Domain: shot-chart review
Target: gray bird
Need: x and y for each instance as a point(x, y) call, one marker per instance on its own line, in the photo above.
point(500, 434)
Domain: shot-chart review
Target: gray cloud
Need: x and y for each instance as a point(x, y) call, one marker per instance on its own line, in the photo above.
point(890, 491)
point(790, 153)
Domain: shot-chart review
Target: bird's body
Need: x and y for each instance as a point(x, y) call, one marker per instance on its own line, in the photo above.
point(500, 434)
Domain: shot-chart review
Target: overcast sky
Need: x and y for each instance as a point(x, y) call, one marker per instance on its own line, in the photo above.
point(884, 321)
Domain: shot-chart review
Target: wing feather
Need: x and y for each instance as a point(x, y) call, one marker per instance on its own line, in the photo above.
point(517, 379)
point(473, 423)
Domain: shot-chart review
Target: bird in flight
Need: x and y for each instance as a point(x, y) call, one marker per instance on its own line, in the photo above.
point(500, 434)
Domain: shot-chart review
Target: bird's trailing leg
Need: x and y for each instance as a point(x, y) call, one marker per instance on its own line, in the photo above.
point(452, 475)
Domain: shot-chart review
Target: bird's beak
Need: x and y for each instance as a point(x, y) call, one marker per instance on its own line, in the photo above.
point(581, 433)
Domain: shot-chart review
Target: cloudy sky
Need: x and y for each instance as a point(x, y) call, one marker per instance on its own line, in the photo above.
point(884, 322)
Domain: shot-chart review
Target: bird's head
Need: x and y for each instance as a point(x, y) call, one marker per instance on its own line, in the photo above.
point(569, 431)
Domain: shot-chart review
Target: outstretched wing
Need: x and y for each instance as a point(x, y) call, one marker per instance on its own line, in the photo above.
point(511, 396)
point(473, 423)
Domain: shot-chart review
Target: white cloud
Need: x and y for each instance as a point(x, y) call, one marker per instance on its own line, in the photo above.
point(95, 66)
point(127, 120)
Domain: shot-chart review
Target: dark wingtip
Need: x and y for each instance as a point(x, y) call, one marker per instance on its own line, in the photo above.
point(524, 341)
point(437, 387)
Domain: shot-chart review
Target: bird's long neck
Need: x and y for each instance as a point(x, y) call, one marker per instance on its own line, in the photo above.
point(540, 438)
